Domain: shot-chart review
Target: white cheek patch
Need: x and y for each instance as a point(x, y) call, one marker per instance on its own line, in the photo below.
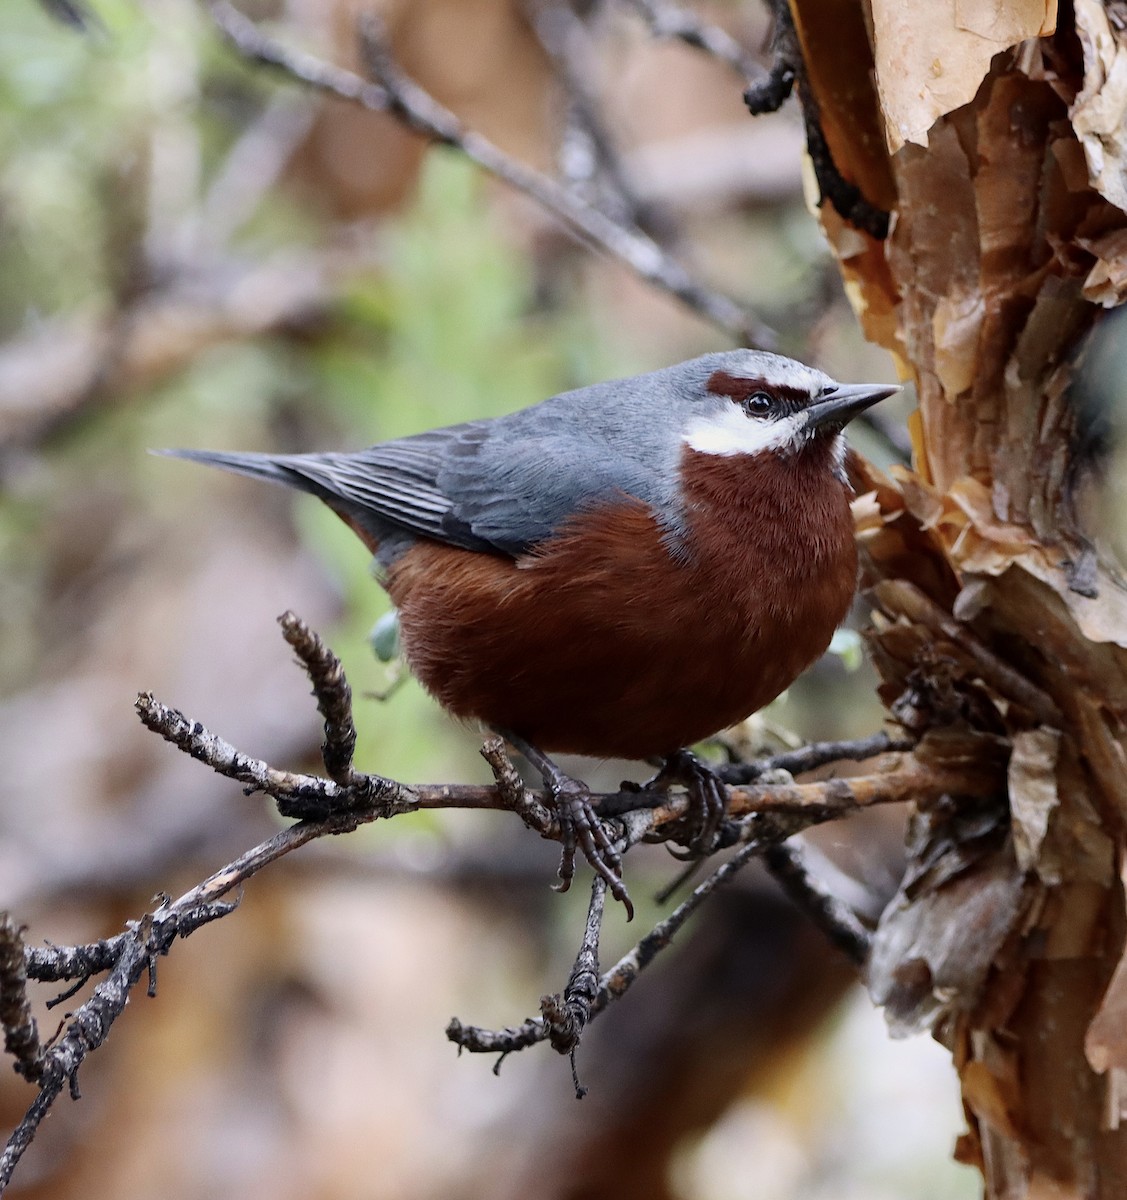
point(731, 431)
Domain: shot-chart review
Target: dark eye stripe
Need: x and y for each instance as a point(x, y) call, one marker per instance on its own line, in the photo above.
point(739, 388)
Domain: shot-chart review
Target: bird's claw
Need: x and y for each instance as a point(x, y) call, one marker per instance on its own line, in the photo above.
point(581, 828)
point(708, 801)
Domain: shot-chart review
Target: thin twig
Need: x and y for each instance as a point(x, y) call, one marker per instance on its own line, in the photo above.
point(50, 964)
point(762, 827)
point(373, 797)
point(393, 92)
point(618, 980)
point(296, 795)
point(334, 696)
point(511, 790)
point(566, 1016)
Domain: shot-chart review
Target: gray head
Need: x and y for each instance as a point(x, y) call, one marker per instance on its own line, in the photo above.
point(750, 402)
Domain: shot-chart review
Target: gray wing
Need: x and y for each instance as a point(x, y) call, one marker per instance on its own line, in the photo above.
point(501, 485)
point(390, 492)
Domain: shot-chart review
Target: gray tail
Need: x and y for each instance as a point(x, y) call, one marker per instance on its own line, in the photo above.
point(311, 473)
point(274, 468)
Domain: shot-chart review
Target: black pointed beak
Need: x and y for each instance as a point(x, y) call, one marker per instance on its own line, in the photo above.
point(846, 401)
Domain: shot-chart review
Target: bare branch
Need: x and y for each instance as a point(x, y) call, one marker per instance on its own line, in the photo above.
point(589, 159)
point(612, 985)
point(810, 758)
point(296, 795)
point(618, 980)
point(836, 920)
point(778, 808)
point(87, 1030)
point(511, 790)
point(371, 797)
point(394, 93)
point(53, 963)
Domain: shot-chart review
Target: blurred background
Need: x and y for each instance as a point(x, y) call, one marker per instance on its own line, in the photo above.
point(194, 251)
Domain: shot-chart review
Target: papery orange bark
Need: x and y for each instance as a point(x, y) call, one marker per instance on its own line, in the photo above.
point(1008, 242)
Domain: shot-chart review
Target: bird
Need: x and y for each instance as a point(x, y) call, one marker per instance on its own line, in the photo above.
point(620, 571)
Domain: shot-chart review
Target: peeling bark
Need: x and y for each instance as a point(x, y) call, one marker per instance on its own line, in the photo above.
point(996, 617)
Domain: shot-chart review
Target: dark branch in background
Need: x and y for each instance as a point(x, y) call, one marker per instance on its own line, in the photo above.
point(588, 158)
point(394, 93)
point(788, 71)
point(667, 20)
point(761, 815)
point(836, 920)
point(767, 91)
point(810, 758)
point(771, 91)
point(78, 16)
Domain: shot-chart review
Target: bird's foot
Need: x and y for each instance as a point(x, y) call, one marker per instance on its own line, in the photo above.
point(581, 827)
point(708, 800)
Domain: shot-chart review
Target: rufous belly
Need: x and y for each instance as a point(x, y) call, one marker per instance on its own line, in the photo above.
point(606, 643)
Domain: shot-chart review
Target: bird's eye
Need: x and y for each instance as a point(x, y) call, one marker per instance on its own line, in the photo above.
point(759, 404)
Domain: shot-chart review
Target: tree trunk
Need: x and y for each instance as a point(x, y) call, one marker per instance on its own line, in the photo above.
point(999, 630)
